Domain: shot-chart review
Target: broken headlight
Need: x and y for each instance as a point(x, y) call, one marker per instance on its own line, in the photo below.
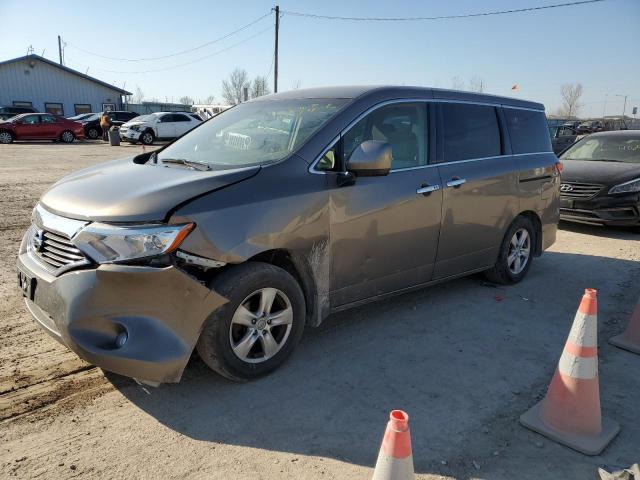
point(106, 243)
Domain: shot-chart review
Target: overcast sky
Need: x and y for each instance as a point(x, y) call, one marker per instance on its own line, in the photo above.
point(596, 44)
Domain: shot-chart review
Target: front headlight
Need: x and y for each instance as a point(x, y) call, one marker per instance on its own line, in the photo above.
point(134, 127)
point(113, 243)
point(627, 187)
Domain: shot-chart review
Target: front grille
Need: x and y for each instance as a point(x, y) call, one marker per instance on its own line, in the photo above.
point(55, 251)
point(579, 190)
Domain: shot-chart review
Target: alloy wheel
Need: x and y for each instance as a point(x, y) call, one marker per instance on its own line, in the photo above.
point(67, 137)
point(5, 137)
point(147, 138)
point(261, 325)
point(519, 251)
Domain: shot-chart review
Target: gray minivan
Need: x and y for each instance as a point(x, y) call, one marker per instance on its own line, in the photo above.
point(280, 211)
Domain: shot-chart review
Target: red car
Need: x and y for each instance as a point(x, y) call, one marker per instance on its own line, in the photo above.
point(40, 126)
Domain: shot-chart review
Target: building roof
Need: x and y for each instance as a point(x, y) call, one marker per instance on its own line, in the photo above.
point(66, 69)
point(355, 91)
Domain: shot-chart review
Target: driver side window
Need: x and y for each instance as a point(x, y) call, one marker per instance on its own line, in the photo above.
point(402, 125)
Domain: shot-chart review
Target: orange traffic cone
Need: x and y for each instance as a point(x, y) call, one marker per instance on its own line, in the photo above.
point(395, 461)
point(630, 338)
point(570, 413)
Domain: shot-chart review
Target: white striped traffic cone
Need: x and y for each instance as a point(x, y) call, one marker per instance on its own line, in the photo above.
point(630, 338)
point(570, 413)
point(395, 461)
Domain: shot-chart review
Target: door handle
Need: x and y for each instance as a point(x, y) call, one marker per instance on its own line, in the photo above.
point(455, 182)
point(427, 189)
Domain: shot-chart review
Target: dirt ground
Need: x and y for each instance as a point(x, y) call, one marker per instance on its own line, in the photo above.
point(464, 359)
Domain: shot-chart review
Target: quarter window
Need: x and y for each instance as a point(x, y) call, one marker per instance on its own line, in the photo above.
point(528, 131)
point(402, 125)
point(470, 131)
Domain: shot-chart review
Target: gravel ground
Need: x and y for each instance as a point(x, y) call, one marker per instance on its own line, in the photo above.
point(464, 359)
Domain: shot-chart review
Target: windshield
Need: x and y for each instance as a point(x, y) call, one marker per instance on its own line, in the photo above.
point(612, 148)
point(253, 133)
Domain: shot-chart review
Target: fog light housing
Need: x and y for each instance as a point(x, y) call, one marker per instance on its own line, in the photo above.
point(121, 339)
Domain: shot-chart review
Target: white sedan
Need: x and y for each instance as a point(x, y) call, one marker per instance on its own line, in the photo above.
point(158, 126)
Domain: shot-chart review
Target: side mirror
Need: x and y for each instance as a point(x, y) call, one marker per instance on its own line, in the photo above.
point(371, 158)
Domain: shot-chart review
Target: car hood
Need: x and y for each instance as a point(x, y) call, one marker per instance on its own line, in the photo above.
point(604, 173)
point(124, 191)
point(131, 124)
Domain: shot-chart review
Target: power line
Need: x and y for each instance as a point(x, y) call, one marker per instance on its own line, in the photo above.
point(440, 17)
point(270, 27)
point(244, 27)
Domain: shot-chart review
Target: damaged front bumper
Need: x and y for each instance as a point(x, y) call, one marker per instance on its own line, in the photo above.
point(141, 322)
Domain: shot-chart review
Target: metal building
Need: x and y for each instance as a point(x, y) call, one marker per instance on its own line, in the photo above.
point(34, 81)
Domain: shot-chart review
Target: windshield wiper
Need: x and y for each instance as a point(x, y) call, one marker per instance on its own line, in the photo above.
point(188, 163)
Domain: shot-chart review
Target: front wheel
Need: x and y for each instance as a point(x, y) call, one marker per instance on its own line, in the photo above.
point(258, 328)
point(93, 133)
point(516, 253)
point(67, 136)
point(147, 137)
point(6, 137)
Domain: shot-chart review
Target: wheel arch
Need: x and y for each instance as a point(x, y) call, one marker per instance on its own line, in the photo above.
point(534, 218)
point(300, 268)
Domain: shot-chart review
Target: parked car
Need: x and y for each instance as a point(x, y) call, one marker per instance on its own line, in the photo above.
point(92, 124)
point(563, 137)
point(81, 117)
point(590, 126)
point(601, 179)
point(158, 126)
point(280, 211)
point(40, 126)
point(8, 112)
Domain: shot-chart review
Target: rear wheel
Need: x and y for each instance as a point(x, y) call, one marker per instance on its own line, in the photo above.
point(258, 328)
point(516, 253)
point(93, 133)
point(147, 137)
point(6, 137)
point(67, 136)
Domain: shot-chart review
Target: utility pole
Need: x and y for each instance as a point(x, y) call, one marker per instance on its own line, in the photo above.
point(624, 108)
point(275, 54)
point(60, 49)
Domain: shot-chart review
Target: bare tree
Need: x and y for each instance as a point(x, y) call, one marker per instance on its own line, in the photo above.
point(139, 95)
point(209, 100)
point(571, 93)
point(186, 100)
point(296, 85)
point(457, 83)
point(260, 87)
point(232, 88)
point(476, 84)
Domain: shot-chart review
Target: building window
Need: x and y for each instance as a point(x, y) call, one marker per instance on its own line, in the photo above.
point(22, 104)
point(82, 108)
point(55, 108)
point(108, 107)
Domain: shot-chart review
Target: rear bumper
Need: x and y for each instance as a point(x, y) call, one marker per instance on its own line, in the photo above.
point(623, 210)
point(159, 313)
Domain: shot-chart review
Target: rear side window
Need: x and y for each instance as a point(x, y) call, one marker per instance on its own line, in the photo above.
point(470, 131)
point(528, 131)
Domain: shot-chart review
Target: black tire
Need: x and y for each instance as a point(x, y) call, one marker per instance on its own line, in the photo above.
point(147, 137)
point(67, 136)
point(93, 133)
point(6, 137)
point(236, 285)
point(501, 273)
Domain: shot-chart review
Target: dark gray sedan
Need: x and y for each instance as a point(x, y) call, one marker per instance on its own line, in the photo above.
point(280, 211)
